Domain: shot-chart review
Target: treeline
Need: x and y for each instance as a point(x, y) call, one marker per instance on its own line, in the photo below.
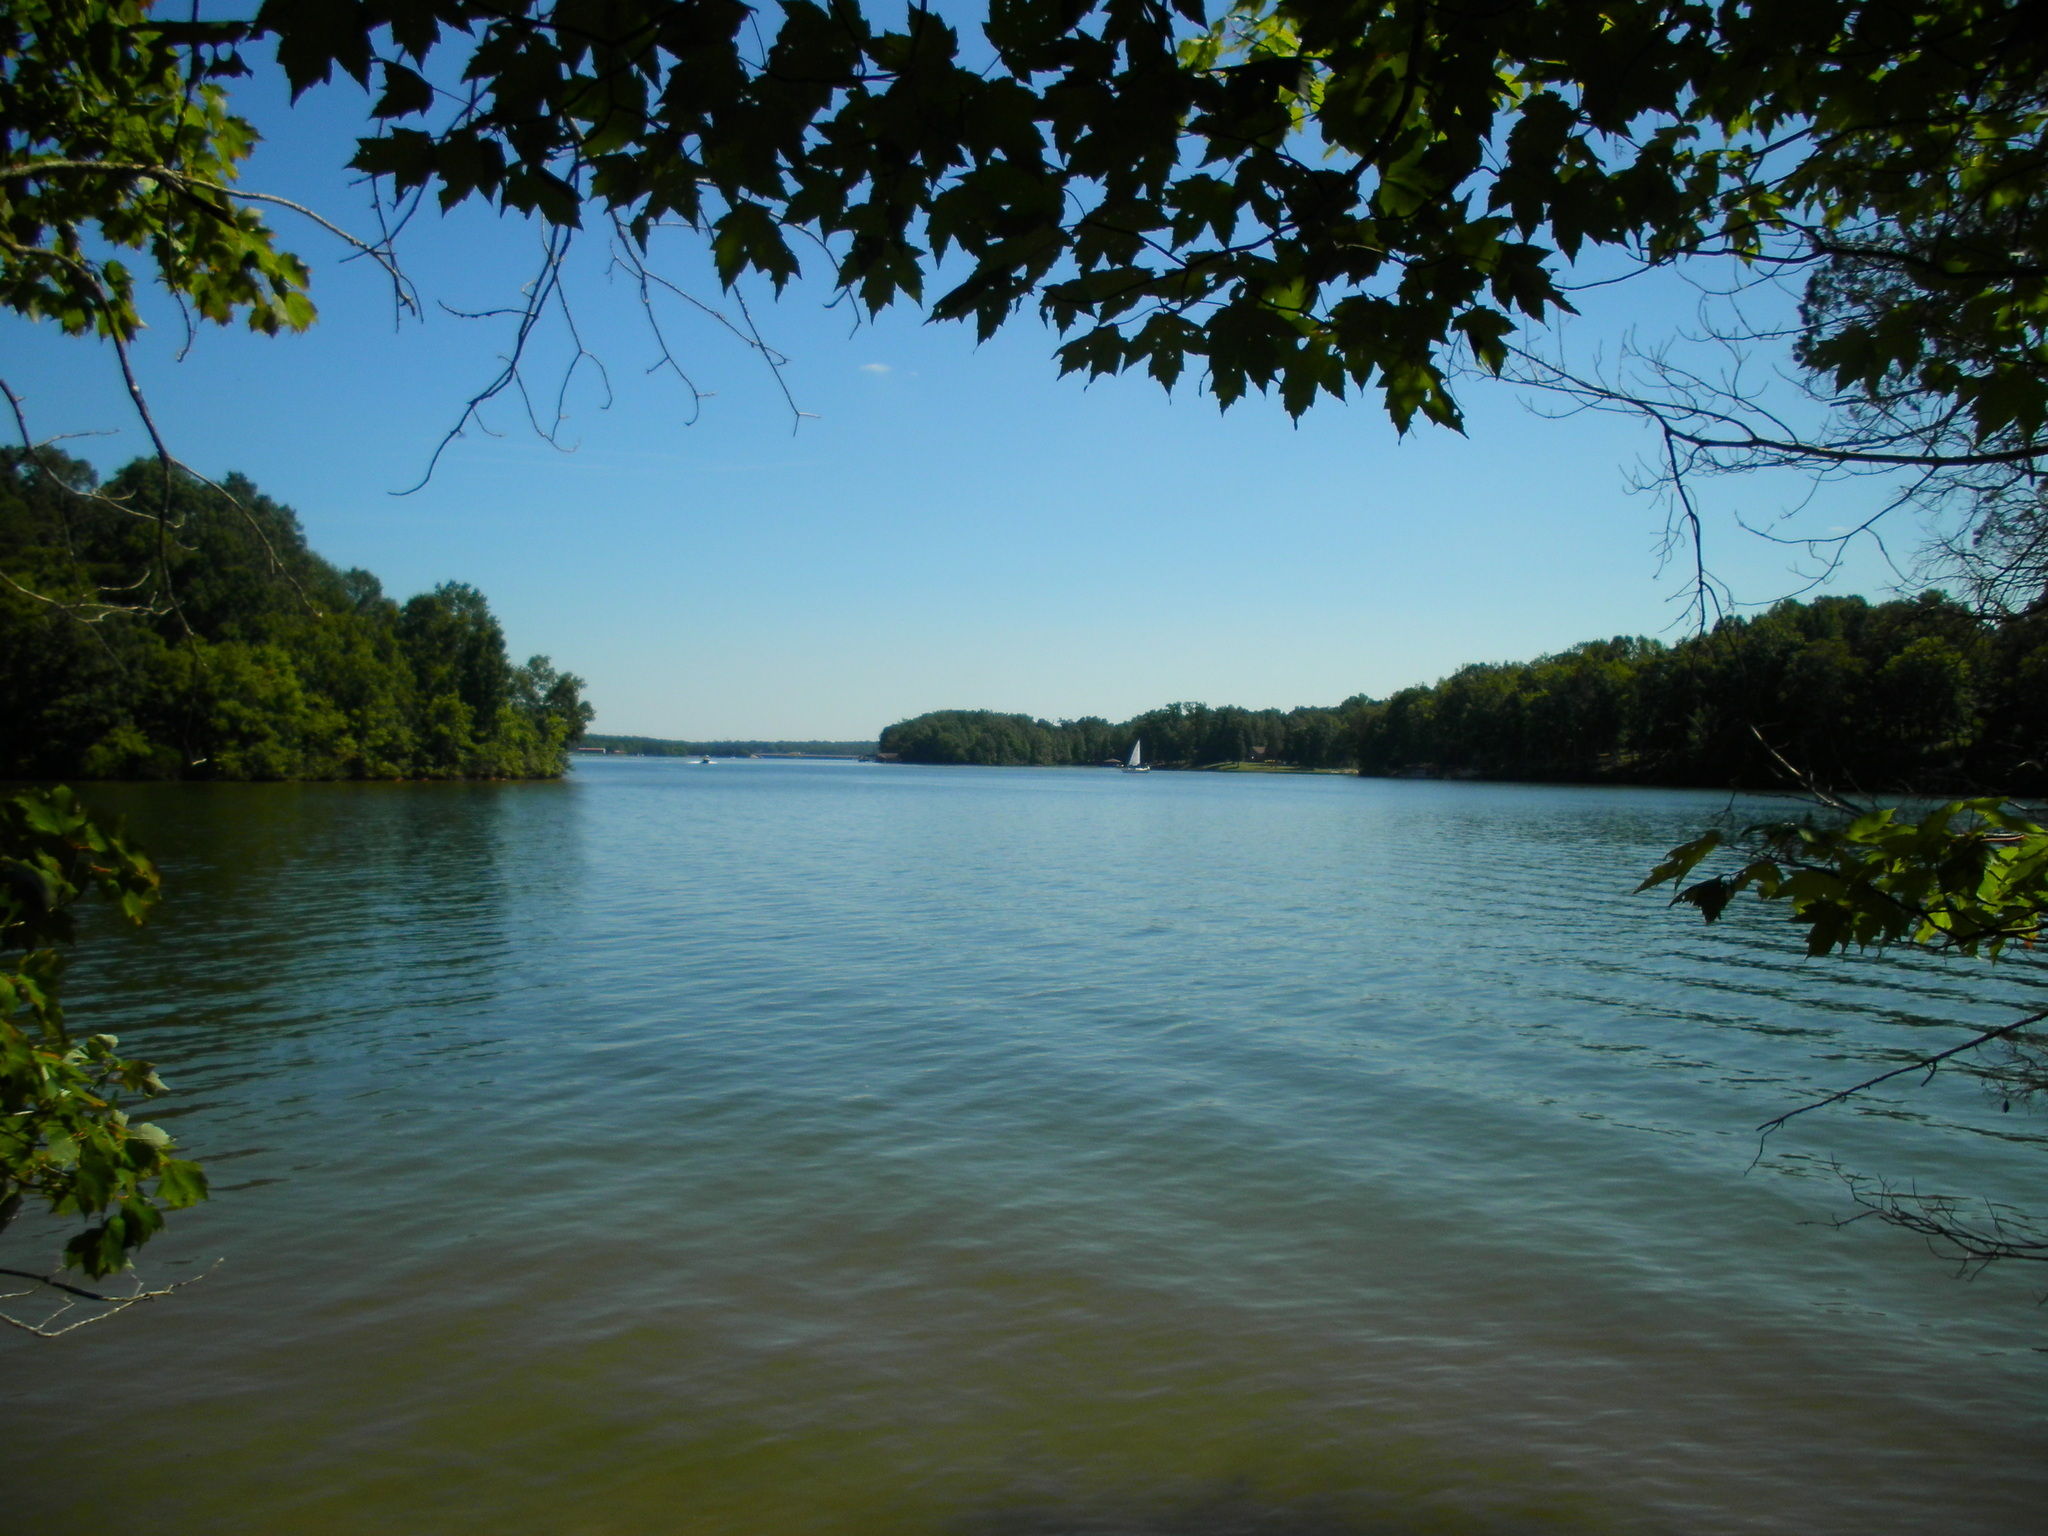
point(1905, 695)
point(1918, 694)
point(1179, 735)
point(655, 746)
point(212, 643)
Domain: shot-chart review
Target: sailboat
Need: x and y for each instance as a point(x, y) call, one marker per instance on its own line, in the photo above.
point(1136, 763)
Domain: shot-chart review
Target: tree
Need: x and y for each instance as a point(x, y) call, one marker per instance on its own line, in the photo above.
point(66, 1141)
point(1911, 696)
point(1298, 195)
point(1969, 878)
point(251, 657)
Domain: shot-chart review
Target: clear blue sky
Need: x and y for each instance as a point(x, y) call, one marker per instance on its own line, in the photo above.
point(953, 525)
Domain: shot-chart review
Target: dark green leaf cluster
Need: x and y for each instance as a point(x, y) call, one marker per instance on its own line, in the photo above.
point(1304, 196)
point(238, 653)
point(1307, 196)
point(66, 1141)
point(1179, 735)
point(1909, 695)
point(1970, 877)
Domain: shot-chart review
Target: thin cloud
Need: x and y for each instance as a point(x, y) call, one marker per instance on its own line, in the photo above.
point(874, 367)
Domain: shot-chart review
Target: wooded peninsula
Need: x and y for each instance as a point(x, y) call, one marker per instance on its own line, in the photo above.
point(1912, 694)
point(185, 630)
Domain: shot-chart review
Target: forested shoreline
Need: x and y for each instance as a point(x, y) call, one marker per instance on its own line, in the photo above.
point(187, 631)
point(1912, 694)
point(1178, 735)
point(226, 648)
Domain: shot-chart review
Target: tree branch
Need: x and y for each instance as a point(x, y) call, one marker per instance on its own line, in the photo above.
point(1926, 1064)
point(111, 1304)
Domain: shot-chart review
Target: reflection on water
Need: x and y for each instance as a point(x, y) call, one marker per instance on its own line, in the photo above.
point(824, 1148)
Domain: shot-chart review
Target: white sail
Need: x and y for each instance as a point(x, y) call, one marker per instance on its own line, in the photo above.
point(1135, 763)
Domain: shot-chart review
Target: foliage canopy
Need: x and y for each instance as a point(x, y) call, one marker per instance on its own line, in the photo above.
point(1175, 735)
point(1307, 196)
point(66, 1139)
point(249, 656)
point(1920, 695)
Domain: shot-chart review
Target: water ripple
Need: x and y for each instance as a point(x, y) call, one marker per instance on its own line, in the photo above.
point(820, 1148)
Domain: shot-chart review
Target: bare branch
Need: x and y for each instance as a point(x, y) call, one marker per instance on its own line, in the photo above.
point(1927, 1064)
point(1972, 1232)
point(69, 1297)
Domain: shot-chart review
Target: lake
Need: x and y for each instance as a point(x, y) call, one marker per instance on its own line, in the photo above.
point(775, 1148)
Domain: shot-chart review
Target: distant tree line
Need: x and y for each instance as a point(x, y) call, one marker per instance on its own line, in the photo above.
point(1921, 693)
point(215, 644)
point(1179, 735)
point(1904, 695)
point(656, 746)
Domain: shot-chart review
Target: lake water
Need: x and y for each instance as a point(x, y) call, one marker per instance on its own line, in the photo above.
point(777, 1148)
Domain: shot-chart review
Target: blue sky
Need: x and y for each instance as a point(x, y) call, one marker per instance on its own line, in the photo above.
point(950, 526)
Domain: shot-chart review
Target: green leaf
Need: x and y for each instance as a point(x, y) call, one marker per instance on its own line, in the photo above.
point(1682, 860)
point(748, 238)
point(1711, 897)
point(405, 92)
point(181, 1184)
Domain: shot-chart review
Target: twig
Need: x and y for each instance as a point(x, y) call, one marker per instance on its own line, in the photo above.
point(112, 1304)
point(1925, 1064)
